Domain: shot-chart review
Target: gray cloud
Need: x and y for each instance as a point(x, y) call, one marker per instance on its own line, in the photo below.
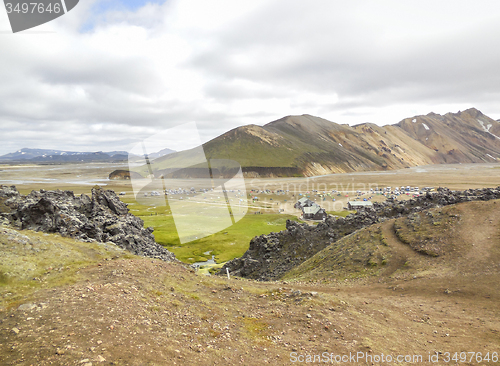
point(133, 73)
point(336, 51)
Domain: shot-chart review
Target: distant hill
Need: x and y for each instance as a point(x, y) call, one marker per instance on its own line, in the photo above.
point(161, 153)
point(307, 145)
point(61, 156)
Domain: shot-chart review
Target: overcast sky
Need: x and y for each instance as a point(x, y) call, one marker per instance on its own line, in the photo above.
point(110, 73)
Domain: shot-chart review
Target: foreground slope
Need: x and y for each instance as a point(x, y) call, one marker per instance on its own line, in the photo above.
point(113, 310)
point(441, 242)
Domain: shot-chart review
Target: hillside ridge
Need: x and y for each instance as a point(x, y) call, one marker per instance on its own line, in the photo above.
point(308, 145)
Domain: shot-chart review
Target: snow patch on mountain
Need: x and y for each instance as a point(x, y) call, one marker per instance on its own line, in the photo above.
point(487, 127)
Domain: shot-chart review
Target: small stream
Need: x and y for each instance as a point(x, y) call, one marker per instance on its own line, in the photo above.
point(201, 264)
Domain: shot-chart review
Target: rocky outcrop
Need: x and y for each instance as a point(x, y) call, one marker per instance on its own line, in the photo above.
point(102, 217)
point(124, 175)
point(7, 193)
point(270, 256)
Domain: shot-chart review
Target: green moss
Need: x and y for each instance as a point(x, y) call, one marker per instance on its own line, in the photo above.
point(4, 279)
point(355, 256)
point(232, 242)
point(33, 260)
point(343, 213)
point(426, 232)
point(372, 262)
point(255, 328)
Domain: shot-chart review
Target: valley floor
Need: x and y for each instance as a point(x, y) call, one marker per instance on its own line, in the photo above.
point(65, 302)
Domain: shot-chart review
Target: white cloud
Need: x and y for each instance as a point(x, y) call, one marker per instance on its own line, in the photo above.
point(104, 80)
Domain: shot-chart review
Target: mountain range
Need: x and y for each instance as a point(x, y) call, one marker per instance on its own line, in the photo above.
point(307, 146)
point(60, 156)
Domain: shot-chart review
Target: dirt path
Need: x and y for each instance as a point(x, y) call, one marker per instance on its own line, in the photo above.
point(481, 241)
point(401, 252)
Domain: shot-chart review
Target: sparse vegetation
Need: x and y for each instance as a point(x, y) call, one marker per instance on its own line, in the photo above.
point(87, 301)
point(426, 232)
point(133, 311)
point(343, 213)
point(357, 255)
point(31, 260)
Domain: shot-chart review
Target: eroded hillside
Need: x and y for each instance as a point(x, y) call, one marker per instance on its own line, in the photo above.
point(307, 146)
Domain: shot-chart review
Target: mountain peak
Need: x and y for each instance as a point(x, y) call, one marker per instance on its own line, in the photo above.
point(470, 112)
point(305, 123)
point(473, 112)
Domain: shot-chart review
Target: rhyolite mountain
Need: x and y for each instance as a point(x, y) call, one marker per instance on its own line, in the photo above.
point(467, 137)
point(307, 145)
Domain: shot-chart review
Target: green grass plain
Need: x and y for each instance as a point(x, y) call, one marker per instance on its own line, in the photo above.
point(227, 244)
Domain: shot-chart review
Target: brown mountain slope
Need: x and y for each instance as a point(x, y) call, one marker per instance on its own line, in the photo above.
point(396, 146)
point(307, 145)
point(463, 137)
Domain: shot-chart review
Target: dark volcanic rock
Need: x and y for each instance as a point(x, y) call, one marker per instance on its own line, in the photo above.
point(270, 256)
point(9, 192)
point(102, 218)
point(8, 197)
